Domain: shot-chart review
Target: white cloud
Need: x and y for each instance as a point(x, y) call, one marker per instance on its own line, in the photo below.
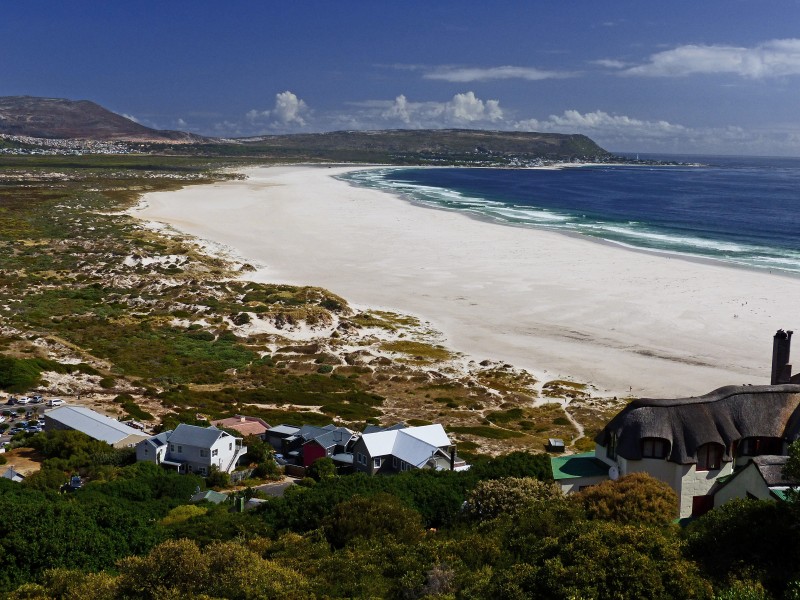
point(610, 63)
point(289, 110)
point(572, 121)
point(468, 74)
point(622, 133)
point(773, 58)
point(398, 110)
point(461, 109)
point(466, 108)
point(131, 118)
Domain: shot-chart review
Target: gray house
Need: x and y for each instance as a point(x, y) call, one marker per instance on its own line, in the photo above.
point(192, 449)
point(396, 450)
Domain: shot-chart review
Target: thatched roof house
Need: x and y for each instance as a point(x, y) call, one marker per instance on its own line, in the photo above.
point(725, 417)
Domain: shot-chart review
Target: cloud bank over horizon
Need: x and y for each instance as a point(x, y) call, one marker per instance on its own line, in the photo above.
point(774, 58)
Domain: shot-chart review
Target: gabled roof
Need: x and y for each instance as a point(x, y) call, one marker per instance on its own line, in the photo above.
point(413, 445)
point(723, 416)
point(93, 424)
point(339, 436)
point(192, 435)
point(310, 432)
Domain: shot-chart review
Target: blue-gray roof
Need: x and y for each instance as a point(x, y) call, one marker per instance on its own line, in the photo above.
point(192, 435)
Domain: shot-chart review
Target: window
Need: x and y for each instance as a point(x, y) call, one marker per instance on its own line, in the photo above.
point(611, 450)
point(377, 462)
point(654, 448)
point(757, 446)
point(230, 446)
point(214, 452)
point(171, 448)
point(709, 457)
point(362, 459)
point(180, 449)
point(202, 470)
point(203, 453)
point(395, 462)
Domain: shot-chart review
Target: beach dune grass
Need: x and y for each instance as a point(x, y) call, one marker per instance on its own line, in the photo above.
point(417, 351)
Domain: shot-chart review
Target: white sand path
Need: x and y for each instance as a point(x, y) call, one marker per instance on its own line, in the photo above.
point(557, 305)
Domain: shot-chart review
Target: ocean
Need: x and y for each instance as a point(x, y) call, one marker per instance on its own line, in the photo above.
point(739, 210)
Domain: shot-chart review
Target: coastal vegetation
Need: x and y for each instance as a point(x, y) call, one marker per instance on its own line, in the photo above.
point(149, 323)
point(501, 529)
point(101, 308)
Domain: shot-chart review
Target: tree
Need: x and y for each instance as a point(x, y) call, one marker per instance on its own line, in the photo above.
point(753, 537)
point(635, 498)
point(492, 498)
point(372, 517)
point(322, 468)
point(604, 560)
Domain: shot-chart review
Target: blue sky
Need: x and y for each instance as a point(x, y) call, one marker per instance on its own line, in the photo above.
point(682, 76)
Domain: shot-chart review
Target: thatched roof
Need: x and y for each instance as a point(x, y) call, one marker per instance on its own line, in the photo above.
point(725, 415)
point(771, 469)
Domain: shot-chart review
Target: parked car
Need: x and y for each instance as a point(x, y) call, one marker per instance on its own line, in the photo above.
point(11, 401)
point(23, 400)
point(55, 402)
point(36, 399)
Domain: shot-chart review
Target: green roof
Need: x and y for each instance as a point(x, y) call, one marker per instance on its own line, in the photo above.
point(577, 465)
point(209, 495)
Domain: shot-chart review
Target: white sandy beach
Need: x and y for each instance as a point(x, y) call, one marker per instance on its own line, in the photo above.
point(557, 305)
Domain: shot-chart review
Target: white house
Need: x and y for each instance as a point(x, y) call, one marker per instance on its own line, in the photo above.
point(426, 447)
point(193, 449)
point(691, 443)
point(761, 479)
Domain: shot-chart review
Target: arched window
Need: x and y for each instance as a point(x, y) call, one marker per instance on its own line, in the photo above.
point(709, 457)
point(655, 448)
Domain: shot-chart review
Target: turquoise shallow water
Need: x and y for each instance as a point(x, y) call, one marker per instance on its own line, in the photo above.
point(739, 210)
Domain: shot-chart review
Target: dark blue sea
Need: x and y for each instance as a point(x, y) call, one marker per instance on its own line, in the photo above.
point(739, 210)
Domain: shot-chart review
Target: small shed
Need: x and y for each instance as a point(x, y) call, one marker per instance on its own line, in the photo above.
point(555, 445)
point(577, 471)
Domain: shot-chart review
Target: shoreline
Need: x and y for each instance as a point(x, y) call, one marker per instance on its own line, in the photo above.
point(625, 322)
point(669, 254)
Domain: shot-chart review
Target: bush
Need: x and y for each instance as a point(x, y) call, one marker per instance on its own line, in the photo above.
point(635, 498)
point(217, 478)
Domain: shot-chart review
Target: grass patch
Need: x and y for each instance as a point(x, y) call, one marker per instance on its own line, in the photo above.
point(420, 351)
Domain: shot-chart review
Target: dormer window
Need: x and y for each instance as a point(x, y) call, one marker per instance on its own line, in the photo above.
point(758, 446)
point(709, 457)
point(655, 448)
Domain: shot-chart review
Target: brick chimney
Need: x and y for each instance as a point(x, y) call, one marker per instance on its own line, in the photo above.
point(781, 369)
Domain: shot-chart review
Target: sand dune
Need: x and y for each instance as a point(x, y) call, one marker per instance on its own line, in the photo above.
point(557, 305)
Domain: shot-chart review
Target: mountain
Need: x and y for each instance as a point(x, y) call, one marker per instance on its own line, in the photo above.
point(57, 118)
point(430, 144)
